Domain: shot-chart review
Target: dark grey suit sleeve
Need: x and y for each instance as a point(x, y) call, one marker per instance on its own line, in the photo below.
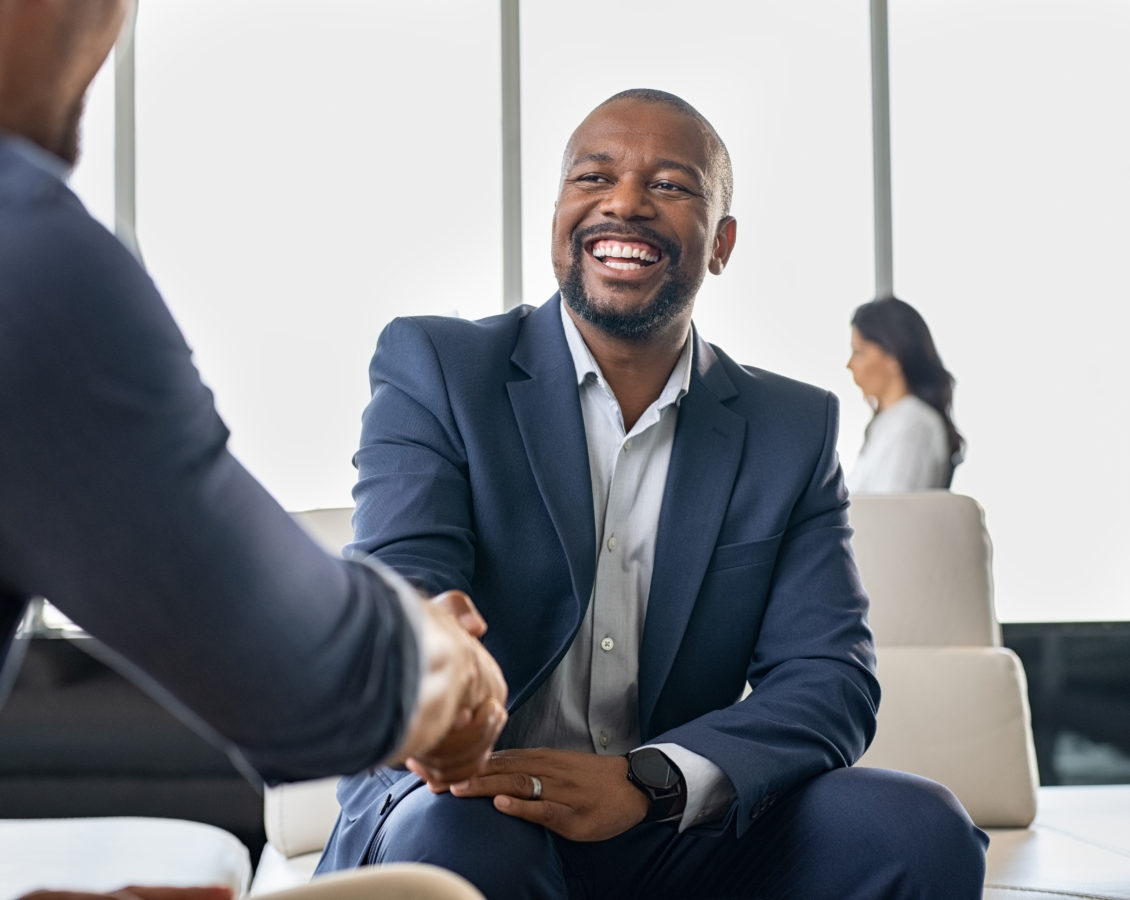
point(122, 505)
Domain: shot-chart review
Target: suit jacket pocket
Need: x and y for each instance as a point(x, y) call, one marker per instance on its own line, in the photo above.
point(746, 553)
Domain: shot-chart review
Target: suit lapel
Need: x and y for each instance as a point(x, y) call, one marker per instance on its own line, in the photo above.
point(705, 456)
point(548, 411)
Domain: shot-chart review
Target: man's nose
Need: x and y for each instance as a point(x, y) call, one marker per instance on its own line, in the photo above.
point(628, 199)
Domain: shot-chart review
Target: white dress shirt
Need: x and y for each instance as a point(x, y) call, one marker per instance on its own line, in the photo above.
point(591, 701)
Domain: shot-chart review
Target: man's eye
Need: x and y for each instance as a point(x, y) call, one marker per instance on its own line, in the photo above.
point(591, 178)
point(670, 186)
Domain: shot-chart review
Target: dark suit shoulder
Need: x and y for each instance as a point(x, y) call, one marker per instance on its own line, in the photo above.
point(453, 333)
point(473, 356)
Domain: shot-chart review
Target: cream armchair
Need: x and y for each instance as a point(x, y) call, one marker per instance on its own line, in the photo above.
point(955, 703)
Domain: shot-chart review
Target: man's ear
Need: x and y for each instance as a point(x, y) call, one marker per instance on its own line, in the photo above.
point(724, 239)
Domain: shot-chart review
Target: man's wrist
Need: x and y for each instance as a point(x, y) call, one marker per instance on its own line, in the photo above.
point(659, 779)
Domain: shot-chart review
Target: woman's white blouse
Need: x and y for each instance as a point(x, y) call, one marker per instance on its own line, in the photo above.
point(906, 448)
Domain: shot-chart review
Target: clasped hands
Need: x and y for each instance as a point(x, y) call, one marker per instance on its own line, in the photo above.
point(580, 796)
point(461, 703)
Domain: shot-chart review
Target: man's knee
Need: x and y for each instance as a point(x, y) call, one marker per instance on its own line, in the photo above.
point(502, 856)
point(903, 835)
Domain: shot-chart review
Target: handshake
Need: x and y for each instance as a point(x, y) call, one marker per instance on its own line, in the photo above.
point(461, 703)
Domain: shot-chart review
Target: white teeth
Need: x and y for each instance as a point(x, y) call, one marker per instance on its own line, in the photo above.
point(619, 251)
point(624, 266)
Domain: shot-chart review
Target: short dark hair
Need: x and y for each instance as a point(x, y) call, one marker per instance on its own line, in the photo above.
point(720, 161)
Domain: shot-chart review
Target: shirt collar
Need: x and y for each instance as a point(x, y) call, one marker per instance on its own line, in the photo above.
point(35, 155)
point(677, 385)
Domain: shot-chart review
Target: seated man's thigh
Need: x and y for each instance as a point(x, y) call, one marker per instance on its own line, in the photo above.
point(869, 833)
point(502, 856)
point(850, 833)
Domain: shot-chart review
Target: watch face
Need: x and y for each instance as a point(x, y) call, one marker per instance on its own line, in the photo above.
point(652, 768)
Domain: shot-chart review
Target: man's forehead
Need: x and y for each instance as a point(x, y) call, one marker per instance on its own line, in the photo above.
point(676, 136)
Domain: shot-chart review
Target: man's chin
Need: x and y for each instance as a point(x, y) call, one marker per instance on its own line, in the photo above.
point(613, 319)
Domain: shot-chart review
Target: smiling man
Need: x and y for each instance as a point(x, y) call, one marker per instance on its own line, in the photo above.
point(647, 528)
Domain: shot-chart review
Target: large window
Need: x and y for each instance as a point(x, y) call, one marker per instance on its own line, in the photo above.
point(1011, 194)
point(305, 173)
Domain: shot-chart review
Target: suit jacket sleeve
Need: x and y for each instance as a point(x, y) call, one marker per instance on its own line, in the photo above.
point(413, 490)
point(123, 506)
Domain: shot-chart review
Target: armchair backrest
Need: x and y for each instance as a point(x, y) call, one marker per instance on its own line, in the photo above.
point(298, 818)
point(927, 563)
point(955, 703)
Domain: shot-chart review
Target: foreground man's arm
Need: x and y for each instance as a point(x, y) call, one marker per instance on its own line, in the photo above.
point(124, 507)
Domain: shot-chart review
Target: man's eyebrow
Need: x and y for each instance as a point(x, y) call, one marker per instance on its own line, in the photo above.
point(599, 157)
point(590, 158)
point(682, 167)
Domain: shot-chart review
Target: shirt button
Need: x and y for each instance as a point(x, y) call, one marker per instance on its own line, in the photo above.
point(607, 644)
point(627, 445)
point(604, 739)
point(612, 543)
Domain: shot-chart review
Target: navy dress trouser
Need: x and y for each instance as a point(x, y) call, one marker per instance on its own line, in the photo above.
point(867, 834)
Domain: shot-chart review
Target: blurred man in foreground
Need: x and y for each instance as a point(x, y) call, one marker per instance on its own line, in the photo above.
point(120, 502)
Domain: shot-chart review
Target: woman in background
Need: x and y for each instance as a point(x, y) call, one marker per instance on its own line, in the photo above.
point(911, 444)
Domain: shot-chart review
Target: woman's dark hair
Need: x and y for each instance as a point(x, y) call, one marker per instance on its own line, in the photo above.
point(900, 330)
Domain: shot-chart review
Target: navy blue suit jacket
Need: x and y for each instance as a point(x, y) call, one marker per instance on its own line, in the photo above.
point(474, 474)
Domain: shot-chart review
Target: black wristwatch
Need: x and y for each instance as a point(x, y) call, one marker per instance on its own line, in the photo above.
point(659, 778)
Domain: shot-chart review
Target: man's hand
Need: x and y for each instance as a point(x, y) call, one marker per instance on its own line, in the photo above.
point(584, 797)
point(461, 706)
point(463, 751)
point(139, 893)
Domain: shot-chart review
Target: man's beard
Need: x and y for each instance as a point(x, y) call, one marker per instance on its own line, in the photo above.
point(67, 142)
point(675, 294)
